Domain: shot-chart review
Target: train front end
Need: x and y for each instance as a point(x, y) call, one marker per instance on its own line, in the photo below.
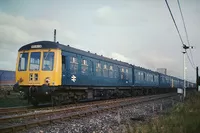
point(38, 70)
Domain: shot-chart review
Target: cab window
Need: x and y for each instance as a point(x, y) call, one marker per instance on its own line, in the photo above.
point(23, 61)
point(48, 61)
point(35, 61)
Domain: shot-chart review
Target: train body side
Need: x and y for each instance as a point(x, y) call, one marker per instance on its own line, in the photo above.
point(81, 69)
point(145, 78)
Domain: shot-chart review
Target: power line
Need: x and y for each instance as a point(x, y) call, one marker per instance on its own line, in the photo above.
point(174, 22)
point(190, 61)
point(184, 46)
point(185, 32)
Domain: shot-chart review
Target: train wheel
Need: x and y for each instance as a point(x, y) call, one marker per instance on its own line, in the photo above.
point(34, 102)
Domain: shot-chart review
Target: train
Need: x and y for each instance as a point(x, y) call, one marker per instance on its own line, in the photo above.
point(49, 71)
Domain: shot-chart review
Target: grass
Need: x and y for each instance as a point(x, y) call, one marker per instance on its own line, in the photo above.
point(12, 100)
point(182, 118)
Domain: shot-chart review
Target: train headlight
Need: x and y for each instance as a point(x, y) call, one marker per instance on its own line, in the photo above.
point(20, 80)
point(47, 80)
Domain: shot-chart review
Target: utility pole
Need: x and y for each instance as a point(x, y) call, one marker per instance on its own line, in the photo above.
point(184, 75)
point(184, 69)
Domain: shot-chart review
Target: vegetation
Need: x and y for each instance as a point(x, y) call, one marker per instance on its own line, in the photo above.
point(11, 99)
point(183, 118)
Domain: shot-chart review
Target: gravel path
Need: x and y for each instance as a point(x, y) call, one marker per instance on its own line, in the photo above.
point(117, 121)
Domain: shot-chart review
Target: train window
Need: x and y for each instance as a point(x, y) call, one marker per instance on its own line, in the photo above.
point(63, 63)
point(73, 65)
point(84, 66)
point(111, 72)
point(115, 72)
point(139, 78)
point(122, 73)
point(105, 71)
point(35, 61)
point(48, 61)
point(23, 61)
point(143, 76)
point(153, 79)
point(98, 69)
point(126, 74)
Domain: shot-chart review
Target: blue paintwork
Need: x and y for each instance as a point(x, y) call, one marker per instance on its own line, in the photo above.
point(145, 77)
point(91, 77)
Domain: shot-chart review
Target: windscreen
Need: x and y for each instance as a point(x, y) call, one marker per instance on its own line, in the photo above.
point(35, 61)
point(23, 61)
point(48, 61)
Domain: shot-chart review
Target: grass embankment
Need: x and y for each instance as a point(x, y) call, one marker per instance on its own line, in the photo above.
point(182, 118)
point(11, 100)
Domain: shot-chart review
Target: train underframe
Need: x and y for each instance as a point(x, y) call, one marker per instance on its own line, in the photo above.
point(58, 95)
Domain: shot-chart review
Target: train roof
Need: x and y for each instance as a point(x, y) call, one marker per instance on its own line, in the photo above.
point(56, 45)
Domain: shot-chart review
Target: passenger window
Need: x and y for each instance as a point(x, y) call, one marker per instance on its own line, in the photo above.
point(126, 74)
point(122, 73)
point(35, 61)
point(111, 72)
point(84, 66)
point(48, 61)
point(73, 65)
point(105, 71)
point(98, 69)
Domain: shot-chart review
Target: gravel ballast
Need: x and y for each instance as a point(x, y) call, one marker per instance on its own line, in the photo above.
point(116, 121)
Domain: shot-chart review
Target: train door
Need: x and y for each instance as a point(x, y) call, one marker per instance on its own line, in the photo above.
point(64, 70)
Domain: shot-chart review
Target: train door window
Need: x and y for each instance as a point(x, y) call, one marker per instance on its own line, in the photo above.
point(63, 63)
point(122, 73)
point(105, 70)
point(139, 78)
point(98, 69)
point(73, 65)
point(153, 79)
point(23, 61)
point(115, 71)
point(48, 61)
point(111, 71)
point(35, 61)
point(126, 73)
point(144, 76)
point(84, 66)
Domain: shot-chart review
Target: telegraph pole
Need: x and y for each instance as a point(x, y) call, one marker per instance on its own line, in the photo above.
point(184, 69)
point(184, 75)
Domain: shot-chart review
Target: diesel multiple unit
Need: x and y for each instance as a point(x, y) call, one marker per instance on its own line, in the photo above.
point(48, 70)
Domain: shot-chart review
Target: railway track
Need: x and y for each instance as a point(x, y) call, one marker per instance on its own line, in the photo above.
point(29, 120)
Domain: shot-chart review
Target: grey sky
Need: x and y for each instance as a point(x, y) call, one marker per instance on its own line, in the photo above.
point(140, 32)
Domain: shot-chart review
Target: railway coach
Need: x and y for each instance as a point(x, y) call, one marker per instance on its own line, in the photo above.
point(51, 71)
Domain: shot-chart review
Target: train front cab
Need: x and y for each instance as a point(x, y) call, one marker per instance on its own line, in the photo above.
point(38, 70)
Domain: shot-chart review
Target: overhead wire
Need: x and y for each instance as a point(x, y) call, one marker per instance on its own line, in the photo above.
point(192, 63)
point(178, 30)
point(174, 22)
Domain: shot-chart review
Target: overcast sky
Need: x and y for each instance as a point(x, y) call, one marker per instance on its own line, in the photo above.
point(140, 32)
